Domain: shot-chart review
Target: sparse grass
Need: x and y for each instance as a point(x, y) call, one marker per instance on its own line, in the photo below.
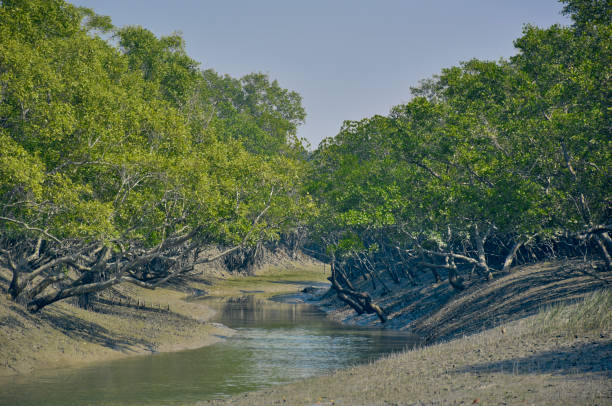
point(506, 365)
point(594, 313)
point(559, 355)
point(269, 281)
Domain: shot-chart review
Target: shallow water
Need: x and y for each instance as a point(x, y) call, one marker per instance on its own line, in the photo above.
point(275, 343)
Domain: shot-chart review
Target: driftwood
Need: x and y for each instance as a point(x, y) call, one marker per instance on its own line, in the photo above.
point(360, 302)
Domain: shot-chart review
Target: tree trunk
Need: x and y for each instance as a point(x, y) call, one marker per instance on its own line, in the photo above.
point(42, 285)
point(95, 275)
point(436, 275)
point(346, 299)
point(14, 289)
point(455, 281)
point(365, 271)
point(604, 252)
point(37, 304)
point(482, 259)
point(512, 254)
point(390, 265)
point(339, 274)
point(406, 267)
point(86, 300)
point(373, 273)
point(360, 302)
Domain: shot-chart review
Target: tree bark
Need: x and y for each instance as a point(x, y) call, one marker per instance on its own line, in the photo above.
point(512, 254)
point(604, 251)
point(339, 273)
point(13, 289)
point(360, 302)
point(482, 259)
point(453, 279)
point(45, 300)
point(85, 300)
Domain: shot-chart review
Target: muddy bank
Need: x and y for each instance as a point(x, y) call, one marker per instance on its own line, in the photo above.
point(525, 355)
point(437, 312)
point(270, 281)
point(129, 320)
point(516, 364)
point(494, 343)
point(311, 292)
point(66, 335)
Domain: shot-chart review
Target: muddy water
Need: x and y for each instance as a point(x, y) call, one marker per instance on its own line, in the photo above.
point(275, 343)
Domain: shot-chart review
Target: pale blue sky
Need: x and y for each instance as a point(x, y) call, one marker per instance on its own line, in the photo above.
point(349, 59)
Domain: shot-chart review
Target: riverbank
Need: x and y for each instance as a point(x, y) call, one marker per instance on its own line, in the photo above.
point(271, 281)
point(130, 321)
point(559, 356)
point(437, 312)
point(494, 343)
point(551, 357)
point(65, 335)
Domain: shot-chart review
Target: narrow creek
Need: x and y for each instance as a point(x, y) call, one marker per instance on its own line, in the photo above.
point(275, 343)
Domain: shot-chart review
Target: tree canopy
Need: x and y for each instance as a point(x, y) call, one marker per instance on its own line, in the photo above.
point(122, 160)
point(117, 157)
point(485, 158)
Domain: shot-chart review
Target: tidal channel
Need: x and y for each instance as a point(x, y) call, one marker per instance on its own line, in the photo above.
point(275, 343)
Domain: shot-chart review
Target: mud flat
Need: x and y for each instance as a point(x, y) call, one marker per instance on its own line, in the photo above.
point(540, 335)
point(66, 335)
point(130, 320)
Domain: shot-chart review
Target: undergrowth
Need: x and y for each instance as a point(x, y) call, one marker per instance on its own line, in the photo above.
point(594, 313)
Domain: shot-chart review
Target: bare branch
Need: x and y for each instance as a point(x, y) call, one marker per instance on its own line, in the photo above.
point(28, 227)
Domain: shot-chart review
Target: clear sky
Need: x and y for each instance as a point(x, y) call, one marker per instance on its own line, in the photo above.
point(349, 59)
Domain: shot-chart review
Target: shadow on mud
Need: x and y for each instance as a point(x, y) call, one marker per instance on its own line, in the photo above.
point(593, 358)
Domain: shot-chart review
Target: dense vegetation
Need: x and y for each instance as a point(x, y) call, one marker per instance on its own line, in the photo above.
point(122, 161)
point(488, 161)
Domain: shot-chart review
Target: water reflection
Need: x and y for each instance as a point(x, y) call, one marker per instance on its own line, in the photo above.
point(275, 343)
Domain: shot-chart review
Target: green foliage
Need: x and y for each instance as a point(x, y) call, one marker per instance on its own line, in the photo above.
point(588, 12)
point(260, 114)
point(519, 147)
point(126, 143)
point(114, 137)
point(19, 170)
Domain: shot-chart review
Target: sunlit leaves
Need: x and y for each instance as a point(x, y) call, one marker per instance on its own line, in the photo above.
point(521, 146)
point(133, 143)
